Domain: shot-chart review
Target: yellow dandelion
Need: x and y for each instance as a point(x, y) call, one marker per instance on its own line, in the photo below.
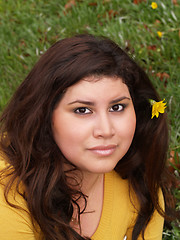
point(157, 107)
point(159, 34)
point(154, 5)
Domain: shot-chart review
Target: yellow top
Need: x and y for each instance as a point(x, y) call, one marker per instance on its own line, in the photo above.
point(119, 214)
point(117, 220)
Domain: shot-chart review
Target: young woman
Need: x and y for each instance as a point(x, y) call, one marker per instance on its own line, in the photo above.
point(81, 156)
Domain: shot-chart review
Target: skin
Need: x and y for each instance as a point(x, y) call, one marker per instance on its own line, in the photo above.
point(93, 125)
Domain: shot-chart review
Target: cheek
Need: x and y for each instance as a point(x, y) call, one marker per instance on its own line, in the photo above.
point(127, 127)
point(131, 126)
point(68, 133)
point(64, 136)
point(66, 141)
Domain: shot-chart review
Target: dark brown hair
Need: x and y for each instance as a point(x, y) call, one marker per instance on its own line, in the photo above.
point(27, 139)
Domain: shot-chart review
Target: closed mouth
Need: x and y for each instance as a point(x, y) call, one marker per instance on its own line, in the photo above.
point(103, 150)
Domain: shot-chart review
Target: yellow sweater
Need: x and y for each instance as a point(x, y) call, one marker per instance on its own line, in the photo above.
point(117, 219)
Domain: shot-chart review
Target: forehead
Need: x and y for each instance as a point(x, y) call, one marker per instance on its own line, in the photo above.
point(97, 86)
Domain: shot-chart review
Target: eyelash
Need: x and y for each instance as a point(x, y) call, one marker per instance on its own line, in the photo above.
point(89, 111)
point(122, 107)
point(80, 113)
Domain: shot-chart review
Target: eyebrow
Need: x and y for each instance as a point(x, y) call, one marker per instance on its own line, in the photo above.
point(93, 104)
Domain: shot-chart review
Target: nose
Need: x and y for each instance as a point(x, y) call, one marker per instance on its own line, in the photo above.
point(103, 127)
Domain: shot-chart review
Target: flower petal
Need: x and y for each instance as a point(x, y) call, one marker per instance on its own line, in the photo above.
point(157, 107)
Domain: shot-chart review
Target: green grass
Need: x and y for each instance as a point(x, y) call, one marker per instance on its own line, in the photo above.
point(28, 28)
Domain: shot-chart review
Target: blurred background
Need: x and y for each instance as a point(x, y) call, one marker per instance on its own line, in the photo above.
point(149, 31)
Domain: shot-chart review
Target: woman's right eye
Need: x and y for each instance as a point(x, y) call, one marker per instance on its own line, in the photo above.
point(82, 110)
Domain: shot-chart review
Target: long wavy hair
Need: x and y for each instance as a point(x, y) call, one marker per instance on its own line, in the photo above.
point(37, 162)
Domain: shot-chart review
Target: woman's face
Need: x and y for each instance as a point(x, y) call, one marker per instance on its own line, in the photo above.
point(94, 123)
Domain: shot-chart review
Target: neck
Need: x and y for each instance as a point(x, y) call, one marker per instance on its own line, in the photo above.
point(93, 187)
point(90, 182)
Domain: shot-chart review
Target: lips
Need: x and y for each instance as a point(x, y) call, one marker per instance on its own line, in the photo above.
point(103, 150)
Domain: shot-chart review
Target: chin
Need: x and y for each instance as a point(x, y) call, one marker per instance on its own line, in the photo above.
point(105, 168)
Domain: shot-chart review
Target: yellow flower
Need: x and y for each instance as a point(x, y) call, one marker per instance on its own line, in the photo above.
point(154, 5)
point(159, 34)
point(157, 107)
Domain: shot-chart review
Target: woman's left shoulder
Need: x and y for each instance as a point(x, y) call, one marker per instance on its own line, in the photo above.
point(121, 185)
point(123, 193)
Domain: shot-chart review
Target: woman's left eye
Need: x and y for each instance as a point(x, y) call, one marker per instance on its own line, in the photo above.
point(117, 108)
